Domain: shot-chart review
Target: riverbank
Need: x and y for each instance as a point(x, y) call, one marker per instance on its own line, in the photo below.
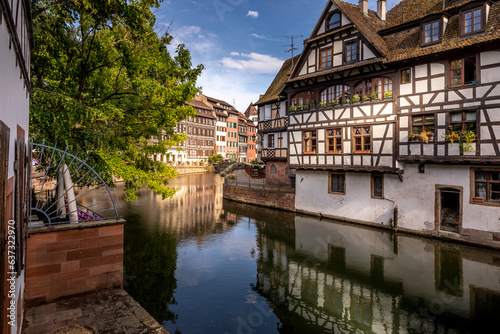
point(107, 311)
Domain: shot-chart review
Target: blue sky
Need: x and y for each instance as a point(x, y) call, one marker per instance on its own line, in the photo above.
point(238, 41)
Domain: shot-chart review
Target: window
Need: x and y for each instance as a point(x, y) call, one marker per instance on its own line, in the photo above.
point(337, 183)
point(334, 140)
point(273, 169)
point(472, 21)
point(463, 121)
point(381, 87)
point(310, 141)
point(377, 185)
point(337, 94)
point(326, 58)
point(270, 141)
point(423, 124)
point(362, 140)
point(351, 51)
point(463, 71)
point(303, 99)
point(405, 76)
point(334, 21)
point(431, 32)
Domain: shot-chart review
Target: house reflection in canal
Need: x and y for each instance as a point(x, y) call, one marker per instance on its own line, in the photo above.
point(339, 278)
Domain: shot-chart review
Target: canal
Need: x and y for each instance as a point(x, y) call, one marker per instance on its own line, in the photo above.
point(199, 264)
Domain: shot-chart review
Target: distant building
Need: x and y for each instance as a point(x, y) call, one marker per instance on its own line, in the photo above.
point(252, 141)
point(201, 131)
point(16, 42)
point(242, 138)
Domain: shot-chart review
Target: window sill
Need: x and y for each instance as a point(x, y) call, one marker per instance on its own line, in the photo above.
point(336, 192)
point(334, 152)
point(309, 152)
point(362, 152)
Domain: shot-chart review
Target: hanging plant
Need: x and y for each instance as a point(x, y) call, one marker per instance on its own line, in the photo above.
point(464, 139)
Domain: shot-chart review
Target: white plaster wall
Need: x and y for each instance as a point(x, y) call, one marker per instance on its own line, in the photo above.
point(14, 102)
point(14, 112)
point(416, 200)
point(312, 196)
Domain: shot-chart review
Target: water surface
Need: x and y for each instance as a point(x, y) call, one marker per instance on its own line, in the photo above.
point(199, 264)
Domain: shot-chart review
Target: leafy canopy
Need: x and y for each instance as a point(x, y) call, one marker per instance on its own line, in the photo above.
point(104, 84)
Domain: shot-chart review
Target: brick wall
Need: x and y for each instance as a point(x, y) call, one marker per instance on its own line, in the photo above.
point(279, 200)
point(280, 178)
point(71, 259)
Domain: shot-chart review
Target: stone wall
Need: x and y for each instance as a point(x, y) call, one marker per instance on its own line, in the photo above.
point(65, 260)
point(272, 199)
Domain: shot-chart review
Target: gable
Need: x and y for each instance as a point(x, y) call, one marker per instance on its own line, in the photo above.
point(346, 39)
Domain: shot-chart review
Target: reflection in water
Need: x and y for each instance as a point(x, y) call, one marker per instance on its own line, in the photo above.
point(199, 265)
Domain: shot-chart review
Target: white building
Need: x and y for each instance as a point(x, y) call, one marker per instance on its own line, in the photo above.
point(375, 98)
point(15, 89)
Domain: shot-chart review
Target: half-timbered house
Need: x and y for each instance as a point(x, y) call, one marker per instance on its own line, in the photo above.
point(272, 127)
point(393, 117)
point(15, 88)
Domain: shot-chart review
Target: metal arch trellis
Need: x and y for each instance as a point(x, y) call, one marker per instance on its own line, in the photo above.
point(57, 179)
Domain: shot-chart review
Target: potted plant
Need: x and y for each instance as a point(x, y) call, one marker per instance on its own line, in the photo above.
point(292, 108)
point(478, 199)
point(430, 135)
point(322, 104)
point(347, 101)
point(464, 139)
point(355, 98)
point(328, 104)
point(414, 137)
point(388, 95)
point(374, 96)
point(312, 106)
point(366, 98)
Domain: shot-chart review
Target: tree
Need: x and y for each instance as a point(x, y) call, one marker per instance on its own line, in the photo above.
point(104, 84)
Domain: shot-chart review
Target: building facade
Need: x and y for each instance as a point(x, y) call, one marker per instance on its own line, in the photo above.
point(393, 117)
point(252, 141)
point(272, 128)
point(221, 132)
point(16, 42)
point(232, 136)
point(242, 138)
point(201, 132)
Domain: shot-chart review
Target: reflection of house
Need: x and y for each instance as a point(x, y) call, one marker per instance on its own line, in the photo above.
point(385, 283)
point(15, 88)
point(272, 127)
point(372, 100)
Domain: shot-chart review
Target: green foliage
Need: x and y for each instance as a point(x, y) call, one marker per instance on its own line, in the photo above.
point(255, 163)
point(215, 158)
point(388, 94)
point(355, 98)
point(464, 139)
point(104, 84)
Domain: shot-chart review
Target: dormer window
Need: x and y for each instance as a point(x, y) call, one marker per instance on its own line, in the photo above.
point(334, 21)
point(432, 32)
point(472, 20)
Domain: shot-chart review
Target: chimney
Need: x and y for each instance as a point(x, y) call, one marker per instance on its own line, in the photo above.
point(363, 4)
point(381, 9)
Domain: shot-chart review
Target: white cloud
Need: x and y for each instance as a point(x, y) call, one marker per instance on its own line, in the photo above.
point(258, 36)
point(235, 54)
point(253, 14)
point(196, 40)
point(253, 63)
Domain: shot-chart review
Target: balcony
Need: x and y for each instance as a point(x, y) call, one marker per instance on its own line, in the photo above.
point(275, 154)
point(273, 125)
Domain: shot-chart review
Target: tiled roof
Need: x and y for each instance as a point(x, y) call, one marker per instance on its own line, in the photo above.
point(200, 104)
point(406, 44)
point(278, 83)
point(367, 25)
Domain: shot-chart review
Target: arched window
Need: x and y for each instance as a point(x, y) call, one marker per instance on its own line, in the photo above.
point(303, 100)
point(375, 88)
point(334, 21)
point(337, 94)
point(273, 169)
